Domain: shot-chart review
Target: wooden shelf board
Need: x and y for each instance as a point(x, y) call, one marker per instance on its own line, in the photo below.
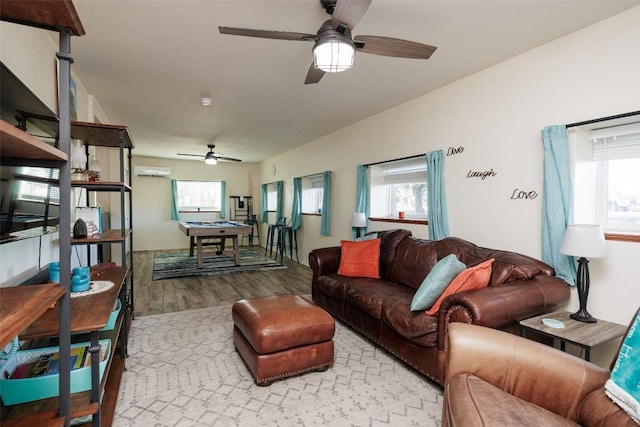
point(107, 236)
point(97, 134)
point(101, 185)
point(48, 14)
point(88, 313)
point(20, 305)
point(19, 144)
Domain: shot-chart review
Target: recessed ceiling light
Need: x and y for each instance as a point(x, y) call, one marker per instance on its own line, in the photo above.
point(206, 101)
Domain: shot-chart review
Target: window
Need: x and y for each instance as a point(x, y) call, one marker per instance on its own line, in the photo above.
point(617, 153)
point(399, 186)
point(196, 196)
point(607, 177)
point(312, 193)
point(30, 191)
point(272, 197)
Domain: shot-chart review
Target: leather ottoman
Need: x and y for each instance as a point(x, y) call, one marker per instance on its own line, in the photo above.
point(282, 336)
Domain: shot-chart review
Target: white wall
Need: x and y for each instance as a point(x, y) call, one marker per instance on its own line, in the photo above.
point(497, 116)
point(152, 224)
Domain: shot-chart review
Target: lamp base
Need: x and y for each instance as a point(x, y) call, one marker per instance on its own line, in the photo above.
point(583, 316)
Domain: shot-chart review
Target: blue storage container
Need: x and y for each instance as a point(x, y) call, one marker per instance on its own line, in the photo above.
point(15, 391)
point(114, 316)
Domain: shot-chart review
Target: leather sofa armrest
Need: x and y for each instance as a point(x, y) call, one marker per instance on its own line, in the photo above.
point(324, 261)
point(526, 369)
point(502, 306)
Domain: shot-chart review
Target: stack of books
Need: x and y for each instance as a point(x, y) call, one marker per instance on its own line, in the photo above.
point(49, 364)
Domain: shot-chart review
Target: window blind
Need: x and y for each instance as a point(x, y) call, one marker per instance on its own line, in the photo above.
point(620, 142)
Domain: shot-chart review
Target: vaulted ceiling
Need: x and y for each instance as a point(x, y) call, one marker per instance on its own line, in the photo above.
point(148, 63)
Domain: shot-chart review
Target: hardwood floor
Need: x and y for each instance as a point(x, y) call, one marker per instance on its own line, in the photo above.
point(166, 296)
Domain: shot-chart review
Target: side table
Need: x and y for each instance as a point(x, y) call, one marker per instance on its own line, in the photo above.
point(581, 334)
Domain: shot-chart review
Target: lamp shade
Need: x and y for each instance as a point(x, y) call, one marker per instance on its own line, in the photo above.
point(333, 55)
point(210, 159)
point(358, 219)
point(78, 155)
point(94, 165)
point(584, 240)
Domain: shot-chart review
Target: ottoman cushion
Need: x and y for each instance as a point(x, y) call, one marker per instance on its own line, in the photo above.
point(276, 323)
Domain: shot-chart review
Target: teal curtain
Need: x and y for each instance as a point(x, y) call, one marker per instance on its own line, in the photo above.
point(362, 194)
point(557, 196)
point(279, 200)
point(223, 199)
point(325, 223)
point(265, 216)
point(296, 209)
point(438, 216)
point(174, 200)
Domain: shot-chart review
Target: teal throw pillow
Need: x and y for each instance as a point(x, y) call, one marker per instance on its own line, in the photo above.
point(436, 282)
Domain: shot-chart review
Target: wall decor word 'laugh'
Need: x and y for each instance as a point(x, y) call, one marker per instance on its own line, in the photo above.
point(482, 174)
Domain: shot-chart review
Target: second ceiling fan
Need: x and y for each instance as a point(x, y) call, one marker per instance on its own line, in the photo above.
point(334, 47)
point(211, 158)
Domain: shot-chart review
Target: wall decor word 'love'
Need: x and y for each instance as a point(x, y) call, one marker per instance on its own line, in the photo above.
point(453, 150)
point(519, 194)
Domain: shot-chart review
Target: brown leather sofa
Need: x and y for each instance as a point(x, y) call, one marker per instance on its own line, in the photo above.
point(498, 379)
point(520, 287)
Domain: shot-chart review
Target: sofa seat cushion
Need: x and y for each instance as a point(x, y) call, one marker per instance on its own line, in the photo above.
point(368, 294)
point(415, 326)
point(333, 285)
point(475, 402)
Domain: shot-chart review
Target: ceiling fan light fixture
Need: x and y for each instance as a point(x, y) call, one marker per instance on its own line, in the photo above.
point(210, 159)
point(333, 54)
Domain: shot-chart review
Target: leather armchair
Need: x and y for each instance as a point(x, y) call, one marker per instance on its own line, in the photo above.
point(499, 379)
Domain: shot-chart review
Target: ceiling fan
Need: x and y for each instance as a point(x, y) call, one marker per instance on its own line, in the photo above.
point(211, 158)
point(334, 47)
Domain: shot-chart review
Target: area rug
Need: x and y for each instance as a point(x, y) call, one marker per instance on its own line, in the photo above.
point(182, 370)
point(172, 266)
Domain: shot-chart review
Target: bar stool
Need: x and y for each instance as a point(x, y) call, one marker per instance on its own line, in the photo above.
point(273, 232)
point(253, 222)
point(288, 234)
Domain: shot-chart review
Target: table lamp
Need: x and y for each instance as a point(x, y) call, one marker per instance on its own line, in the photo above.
point(358, 220)
point(583, 241)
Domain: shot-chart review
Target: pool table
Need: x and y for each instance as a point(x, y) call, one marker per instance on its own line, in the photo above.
point(220, 230)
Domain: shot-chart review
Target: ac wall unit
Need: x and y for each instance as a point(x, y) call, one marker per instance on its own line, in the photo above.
point(153, 171)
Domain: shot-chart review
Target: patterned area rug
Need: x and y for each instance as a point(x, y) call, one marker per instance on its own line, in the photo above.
point(183, 370)
point(172, 266)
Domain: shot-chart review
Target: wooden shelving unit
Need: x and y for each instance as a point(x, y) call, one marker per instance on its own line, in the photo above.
point(35, 312)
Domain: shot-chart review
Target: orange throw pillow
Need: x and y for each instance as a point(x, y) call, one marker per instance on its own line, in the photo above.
point(475, 277)
point(360, 259)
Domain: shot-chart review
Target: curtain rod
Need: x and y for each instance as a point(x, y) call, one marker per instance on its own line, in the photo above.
point(312, 175)
point(394, 160)
point(604, 119)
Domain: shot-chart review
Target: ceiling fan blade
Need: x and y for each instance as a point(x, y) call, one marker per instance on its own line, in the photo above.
point(398, 48)
point(267, 34)
point(228, 159)
point(314, 75)
point(187, 154)
point(349, 12)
